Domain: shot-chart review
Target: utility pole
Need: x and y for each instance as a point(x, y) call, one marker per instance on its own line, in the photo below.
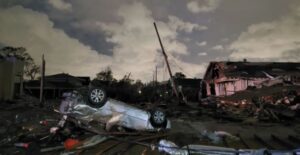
point(153, 80)
point(167, 62)
point(155, 73)
point(42, 82)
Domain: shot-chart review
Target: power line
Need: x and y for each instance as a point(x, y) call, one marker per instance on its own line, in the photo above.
point(181, 69)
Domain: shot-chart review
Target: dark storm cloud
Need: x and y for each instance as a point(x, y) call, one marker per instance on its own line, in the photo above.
point(228, 25)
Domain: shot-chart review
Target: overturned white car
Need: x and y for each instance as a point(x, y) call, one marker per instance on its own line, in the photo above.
point(97, 107)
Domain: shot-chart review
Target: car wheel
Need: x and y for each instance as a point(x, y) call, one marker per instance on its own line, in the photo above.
point(97, 97)
point(158, 119)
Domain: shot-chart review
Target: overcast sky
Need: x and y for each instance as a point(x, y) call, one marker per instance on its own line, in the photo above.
point(82, 37)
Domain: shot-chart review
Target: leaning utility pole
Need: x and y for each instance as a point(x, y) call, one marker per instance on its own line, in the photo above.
point(167, 62)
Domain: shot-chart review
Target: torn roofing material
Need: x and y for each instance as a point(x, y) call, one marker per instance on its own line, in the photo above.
point(252, 69)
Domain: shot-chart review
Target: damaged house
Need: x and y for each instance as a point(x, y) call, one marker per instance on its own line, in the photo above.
point(225, 78)
point(56, 84)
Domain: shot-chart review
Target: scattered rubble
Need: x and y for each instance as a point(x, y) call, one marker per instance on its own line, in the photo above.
point(172, 149)
point(76, 127)
point(275, 104)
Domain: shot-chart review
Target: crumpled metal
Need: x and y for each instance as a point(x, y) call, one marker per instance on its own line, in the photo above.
point(216, 136)
point(172, 149)
point(112, 113)
point(77, 108)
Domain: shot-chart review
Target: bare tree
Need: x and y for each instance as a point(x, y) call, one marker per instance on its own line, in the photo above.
point(105, 75)
point(31, 71)
point(179, 75)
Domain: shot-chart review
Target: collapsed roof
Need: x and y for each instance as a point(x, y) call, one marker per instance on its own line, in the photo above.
point(251, 69)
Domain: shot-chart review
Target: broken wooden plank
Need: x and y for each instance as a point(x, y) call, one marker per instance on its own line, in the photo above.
point(261, 141)
point(108, 146)
point(146, 138)
point(283, 143)
point(131, 146)
point(127, 146)
point(243, 142)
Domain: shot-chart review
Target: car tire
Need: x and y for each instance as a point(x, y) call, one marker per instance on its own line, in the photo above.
point(158, 119)
point(97, 97)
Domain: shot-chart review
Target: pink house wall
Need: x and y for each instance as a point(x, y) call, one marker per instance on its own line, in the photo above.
point(230, 86)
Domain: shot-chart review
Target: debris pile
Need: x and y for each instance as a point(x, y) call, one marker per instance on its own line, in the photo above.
point(77, 127)
point(279, 104)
